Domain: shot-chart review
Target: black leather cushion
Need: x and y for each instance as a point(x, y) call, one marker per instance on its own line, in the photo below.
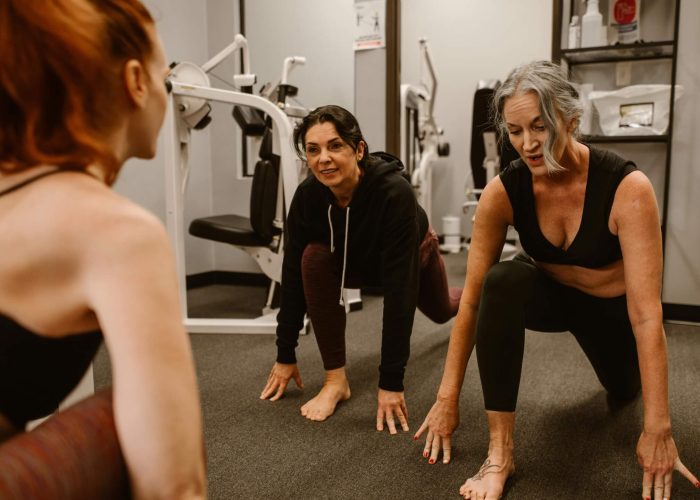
point(251, 120)
point(257, 231)
point(481, 122)
point(263, 199)
point(232, 229)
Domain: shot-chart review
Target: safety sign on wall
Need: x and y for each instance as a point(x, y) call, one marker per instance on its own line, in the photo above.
point(369, 24)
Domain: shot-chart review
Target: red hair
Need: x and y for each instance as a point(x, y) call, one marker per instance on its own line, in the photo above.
point(61, 81)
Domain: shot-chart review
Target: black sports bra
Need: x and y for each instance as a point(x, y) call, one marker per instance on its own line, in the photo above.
point(594, 246)
point(36, 372)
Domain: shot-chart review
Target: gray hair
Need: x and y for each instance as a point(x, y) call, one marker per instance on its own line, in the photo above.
point(557, 96)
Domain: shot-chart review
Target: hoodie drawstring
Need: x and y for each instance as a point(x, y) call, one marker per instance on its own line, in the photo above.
point(330, 224)
point(343, 298)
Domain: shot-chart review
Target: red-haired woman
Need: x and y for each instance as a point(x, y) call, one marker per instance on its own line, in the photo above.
point(81, 91)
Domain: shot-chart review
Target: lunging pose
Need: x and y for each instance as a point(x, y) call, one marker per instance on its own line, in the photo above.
point(588, 222)
point(355, 223)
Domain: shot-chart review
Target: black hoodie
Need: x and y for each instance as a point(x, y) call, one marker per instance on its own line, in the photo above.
point(386, 226)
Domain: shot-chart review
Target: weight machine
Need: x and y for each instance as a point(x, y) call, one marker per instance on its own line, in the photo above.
point(274, 182)
point(421, 146)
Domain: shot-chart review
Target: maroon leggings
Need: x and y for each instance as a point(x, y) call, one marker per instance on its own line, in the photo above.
point(73, 454)
point(321, 271)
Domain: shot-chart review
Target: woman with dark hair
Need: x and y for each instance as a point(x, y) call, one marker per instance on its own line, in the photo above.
point(589, 223)
point(81, 91)
point(355, 222)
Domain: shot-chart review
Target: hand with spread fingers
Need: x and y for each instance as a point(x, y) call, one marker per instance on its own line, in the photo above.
point(441, 422)
point(391, 404)
point(279, 378)
point(658, 456)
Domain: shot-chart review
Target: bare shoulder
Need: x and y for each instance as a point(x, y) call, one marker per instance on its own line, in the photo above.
point(87, 212)
point(70, 236)
point(635, 192)
point(494, 203)
point(634, 201)
point(496, 188)
point(635, 184)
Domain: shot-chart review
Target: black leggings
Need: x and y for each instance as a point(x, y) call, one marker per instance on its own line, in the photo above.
point(517, 295)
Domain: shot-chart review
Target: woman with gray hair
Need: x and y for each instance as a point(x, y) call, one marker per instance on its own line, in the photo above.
point(592, 263)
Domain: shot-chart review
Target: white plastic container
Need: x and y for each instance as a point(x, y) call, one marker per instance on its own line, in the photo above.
point(634, 110)
point(624, 20)
point(574, 33)
point(451, 232)
point(593, 33)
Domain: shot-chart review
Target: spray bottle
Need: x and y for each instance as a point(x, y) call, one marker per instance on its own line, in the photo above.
point(593, 33)
point(624, 18)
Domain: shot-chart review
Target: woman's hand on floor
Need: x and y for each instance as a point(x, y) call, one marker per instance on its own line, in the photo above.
point(658, 456)
point(441, 422)
point(279, 378)
point(390, 403)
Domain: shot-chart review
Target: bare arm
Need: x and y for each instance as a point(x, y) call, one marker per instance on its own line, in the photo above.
point(636, 219)
point(635, 215)
point(493, 215)
point(131, 285)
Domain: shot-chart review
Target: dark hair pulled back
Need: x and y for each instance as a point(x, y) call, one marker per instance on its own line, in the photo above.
point(345, 124)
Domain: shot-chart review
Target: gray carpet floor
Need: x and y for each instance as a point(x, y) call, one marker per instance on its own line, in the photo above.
point(569, 443)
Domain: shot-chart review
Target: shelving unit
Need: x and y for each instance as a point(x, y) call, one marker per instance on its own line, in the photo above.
point(611, 139)
point(664, 51)
point(616, 53)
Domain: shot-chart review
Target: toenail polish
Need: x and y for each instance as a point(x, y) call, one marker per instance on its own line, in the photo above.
point(431, 461)
point(697, 485)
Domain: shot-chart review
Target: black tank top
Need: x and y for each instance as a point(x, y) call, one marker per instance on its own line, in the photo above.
point(36, 372)
point(594, 245)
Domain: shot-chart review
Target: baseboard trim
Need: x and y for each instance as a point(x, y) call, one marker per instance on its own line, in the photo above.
point(208, 278)
point(672, 312)
point(681, 312)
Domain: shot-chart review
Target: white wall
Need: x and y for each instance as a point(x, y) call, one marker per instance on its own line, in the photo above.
point(470, 40)
point(682, 264)
point(320, 30)
point(182, 27)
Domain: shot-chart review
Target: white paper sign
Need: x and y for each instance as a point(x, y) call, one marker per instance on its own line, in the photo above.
point(370, 24)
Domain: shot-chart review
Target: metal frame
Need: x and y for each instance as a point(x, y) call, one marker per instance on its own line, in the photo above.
point(177, 139)
point(671, 311)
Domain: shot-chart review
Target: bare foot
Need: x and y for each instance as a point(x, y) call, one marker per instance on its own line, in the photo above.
point(489, 482)
point(335, 389)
